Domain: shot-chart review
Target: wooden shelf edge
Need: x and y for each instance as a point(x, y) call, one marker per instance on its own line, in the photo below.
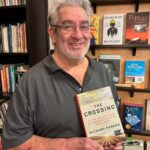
point(143, 132)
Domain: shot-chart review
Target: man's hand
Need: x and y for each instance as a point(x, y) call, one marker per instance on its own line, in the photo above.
point(117, 146)
point(82, 144)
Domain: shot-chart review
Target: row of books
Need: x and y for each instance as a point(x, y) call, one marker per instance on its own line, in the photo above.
point(134, 73)
point(13, 38)
point(119, 29)
point(12, 2)
point(136, 117)
point(10, 74)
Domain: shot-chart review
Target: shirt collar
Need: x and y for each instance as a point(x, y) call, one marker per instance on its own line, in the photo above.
point(52, 66)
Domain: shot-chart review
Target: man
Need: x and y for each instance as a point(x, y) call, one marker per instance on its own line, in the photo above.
point(42, 114)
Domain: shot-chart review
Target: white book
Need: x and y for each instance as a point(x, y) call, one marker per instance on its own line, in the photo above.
point(113, 28)
point(5, 45)
point(14, 39)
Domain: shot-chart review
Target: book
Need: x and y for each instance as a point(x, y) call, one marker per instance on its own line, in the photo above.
point(94, 30)
point(133, 116)
point(112, 63)
point(135, 73)
point(113, 27)
point(133, 144)
point(100, 116)
point(147, 145)
point(137, 28)
point(147, 116)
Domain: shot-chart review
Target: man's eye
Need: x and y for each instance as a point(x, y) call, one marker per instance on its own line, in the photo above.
point(84, 27)
point(68, 27)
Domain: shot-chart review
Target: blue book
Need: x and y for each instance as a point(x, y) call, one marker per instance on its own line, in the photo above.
point(135, 73)
point(133, 116)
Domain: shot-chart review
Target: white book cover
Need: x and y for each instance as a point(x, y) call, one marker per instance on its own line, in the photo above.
point(113, 29)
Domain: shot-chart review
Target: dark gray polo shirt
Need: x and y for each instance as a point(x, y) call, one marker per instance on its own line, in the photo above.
point(44, 102)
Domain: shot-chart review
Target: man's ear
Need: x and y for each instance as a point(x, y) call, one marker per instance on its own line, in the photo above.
point(51, 33)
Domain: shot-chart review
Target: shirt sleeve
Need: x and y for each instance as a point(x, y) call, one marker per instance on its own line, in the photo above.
point(18, 125)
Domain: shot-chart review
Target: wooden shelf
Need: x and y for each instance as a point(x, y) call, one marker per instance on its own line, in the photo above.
point(5, 96)
point(143, 132)
point(12, 14)
point(7, 58)
point(132, 47)
point(131, 90)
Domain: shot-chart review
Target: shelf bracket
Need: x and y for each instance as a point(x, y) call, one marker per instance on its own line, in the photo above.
point(137, 5)
point(132, 91)
point(92, 50)
point(133, 51)
point(94, 7)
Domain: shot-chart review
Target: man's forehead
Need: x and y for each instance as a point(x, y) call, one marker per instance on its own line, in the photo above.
point(72, 11)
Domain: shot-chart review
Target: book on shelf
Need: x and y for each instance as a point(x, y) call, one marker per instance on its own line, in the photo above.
point(112, 63)
point(5, 46)
point(147, 115)
point(13, 37)
point(133, 116)
point(100, 116)
point(113, 27)
point(135, 73)
point(133, 144)
point(94, 30)
point(10, 75)
point(137, 28)
point(147, 145)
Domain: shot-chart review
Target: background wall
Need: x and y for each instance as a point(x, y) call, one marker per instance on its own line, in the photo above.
point(126, 53)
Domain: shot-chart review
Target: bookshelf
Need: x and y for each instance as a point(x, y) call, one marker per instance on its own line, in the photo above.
point(127, 94)
point(35, 17)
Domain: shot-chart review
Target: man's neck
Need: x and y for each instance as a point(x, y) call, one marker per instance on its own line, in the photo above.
point(76, 69)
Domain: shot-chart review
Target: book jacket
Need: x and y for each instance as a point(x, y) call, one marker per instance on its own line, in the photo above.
point(100, 116)
point(94, 30)
point(147, 116)
point(133, 116)
point(137, 28)
point(112, 63)
point(113, 26)
point(135, 73)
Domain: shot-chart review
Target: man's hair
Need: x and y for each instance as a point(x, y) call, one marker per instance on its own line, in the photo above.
point(53, 10)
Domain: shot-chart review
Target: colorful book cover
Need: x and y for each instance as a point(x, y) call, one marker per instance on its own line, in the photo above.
point(137, 28)
point(99, 116)
point(135, 73)
point(112, 63)
point(113, 27)
point(94, 30)
point(133, 116)
point(147, 115)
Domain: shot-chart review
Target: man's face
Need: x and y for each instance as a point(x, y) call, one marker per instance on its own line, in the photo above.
point(72, 44)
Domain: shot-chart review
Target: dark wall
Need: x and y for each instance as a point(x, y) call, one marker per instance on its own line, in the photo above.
point(37, 37)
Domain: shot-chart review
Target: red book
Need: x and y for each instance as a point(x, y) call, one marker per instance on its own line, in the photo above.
point(137, 28)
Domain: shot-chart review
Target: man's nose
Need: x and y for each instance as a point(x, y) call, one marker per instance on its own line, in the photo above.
point(77, 33)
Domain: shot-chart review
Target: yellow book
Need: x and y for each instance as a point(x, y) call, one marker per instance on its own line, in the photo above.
point(94, 31)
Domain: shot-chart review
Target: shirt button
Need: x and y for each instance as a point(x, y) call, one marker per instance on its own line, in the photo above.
point(80, 89)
